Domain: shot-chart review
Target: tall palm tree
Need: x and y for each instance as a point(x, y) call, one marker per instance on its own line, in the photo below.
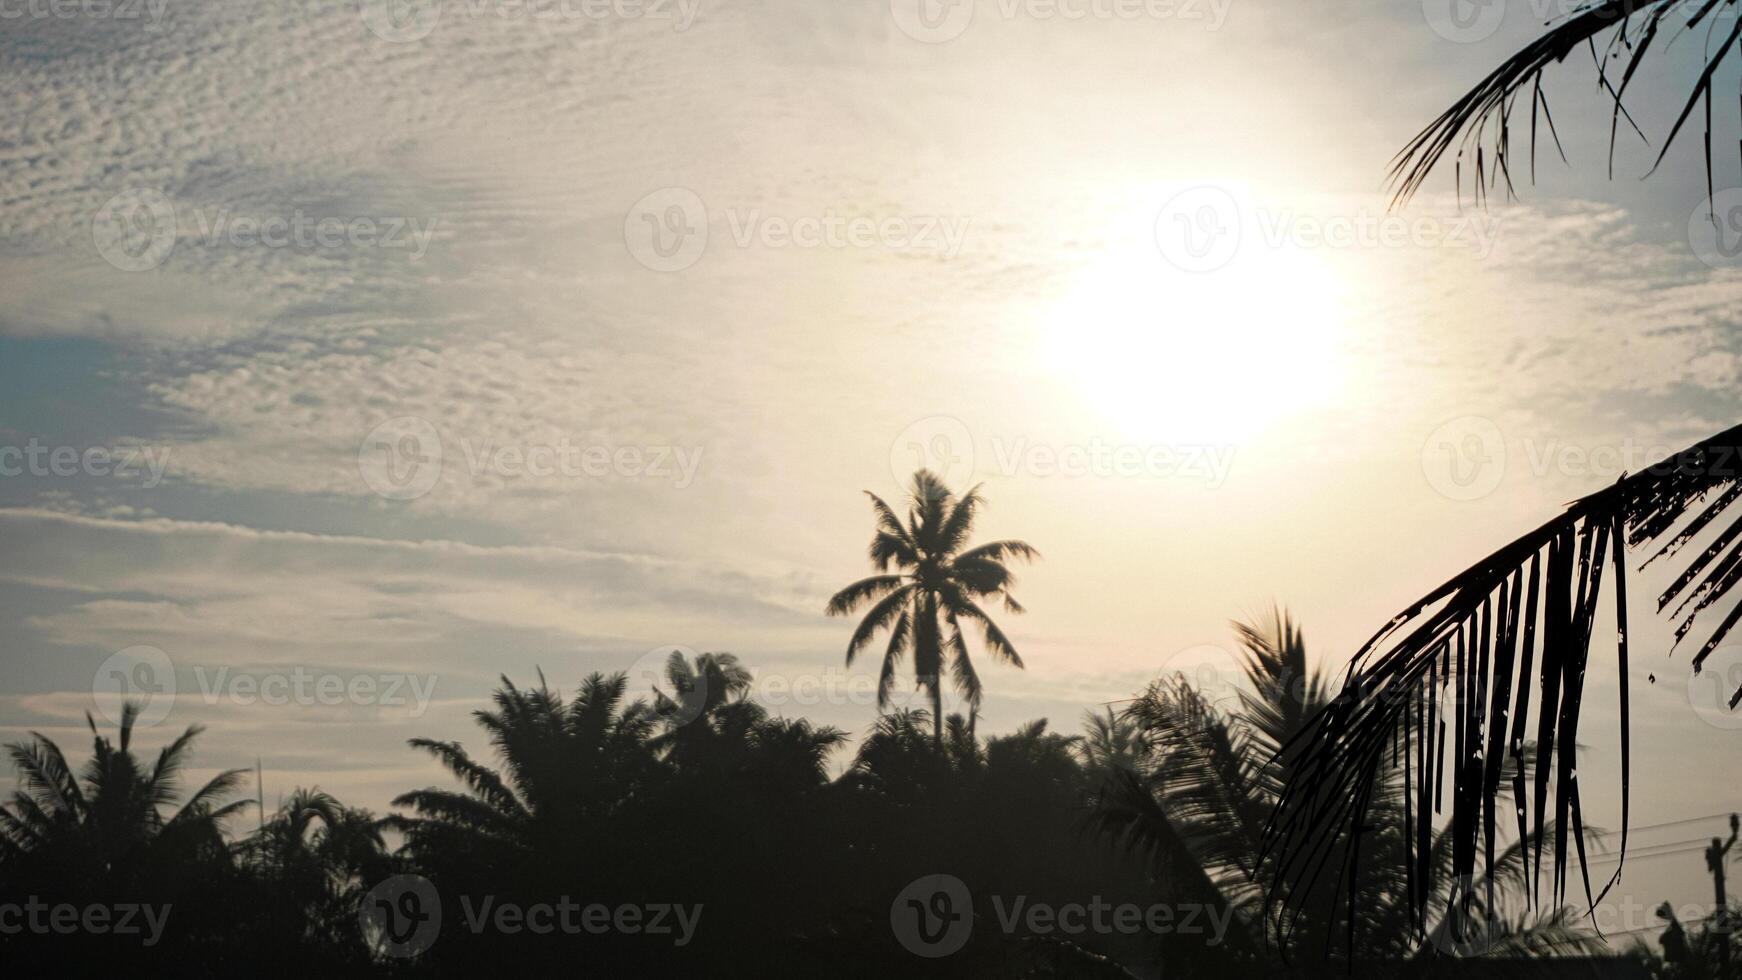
point(1452, 681)
point(111, 819)
point(933, 589)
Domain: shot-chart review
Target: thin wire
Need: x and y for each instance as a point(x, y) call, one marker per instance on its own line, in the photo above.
point(1666, 823)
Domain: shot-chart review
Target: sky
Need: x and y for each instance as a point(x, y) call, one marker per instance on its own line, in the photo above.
point(399, 346)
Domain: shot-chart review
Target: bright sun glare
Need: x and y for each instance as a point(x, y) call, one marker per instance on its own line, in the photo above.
point(1194, 358)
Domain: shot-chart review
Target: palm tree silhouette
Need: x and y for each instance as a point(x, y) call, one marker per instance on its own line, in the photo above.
point(566, 769)
point(1483, 116)
point(109, 820)
point(924, 602)
point(1211, 773)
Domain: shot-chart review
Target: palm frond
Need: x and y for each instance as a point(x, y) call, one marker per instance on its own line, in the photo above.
point(1479, 124)
point(1447, 685)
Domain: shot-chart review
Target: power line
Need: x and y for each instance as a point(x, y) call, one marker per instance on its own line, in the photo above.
point(1642, 855)
point(1667, 823)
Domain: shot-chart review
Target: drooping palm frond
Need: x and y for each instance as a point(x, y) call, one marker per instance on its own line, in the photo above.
point(1480, 124)
point(1447, 686)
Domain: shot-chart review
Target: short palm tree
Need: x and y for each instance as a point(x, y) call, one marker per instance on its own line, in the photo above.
point(1211, 775)
point(112, 817)
point(567, 768)
point(934, 588)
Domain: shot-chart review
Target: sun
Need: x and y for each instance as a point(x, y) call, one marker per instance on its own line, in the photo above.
point(1219, 357)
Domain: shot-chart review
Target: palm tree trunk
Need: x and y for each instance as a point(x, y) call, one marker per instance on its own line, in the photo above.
point(937, 714)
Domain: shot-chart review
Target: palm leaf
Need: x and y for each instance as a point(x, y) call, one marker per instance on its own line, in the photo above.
point(1479, 124)
point(1513, 628)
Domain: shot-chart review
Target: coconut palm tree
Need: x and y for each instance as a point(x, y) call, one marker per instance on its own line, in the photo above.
point(1621, 35)
point(111, 819)
point(925, 601)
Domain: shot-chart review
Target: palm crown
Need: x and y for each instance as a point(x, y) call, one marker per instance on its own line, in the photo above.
point(934, 588)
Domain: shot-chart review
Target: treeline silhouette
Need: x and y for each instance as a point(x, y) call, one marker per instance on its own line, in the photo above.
point(701, 797)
